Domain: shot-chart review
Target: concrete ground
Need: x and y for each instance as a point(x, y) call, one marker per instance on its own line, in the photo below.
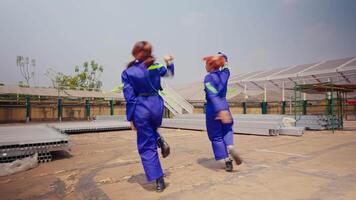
point(318, 165)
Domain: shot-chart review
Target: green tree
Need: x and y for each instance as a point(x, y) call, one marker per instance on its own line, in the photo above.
point(86, 77)
point(24, 64)
point(22, 84)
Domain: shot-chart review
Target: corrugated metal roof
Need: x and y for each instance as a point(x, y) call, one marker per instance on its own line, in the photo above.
point(52, 92)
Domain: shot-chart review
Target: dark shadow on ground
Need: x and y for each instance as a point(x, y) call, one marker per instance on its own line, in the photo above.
point(211, 163)
point(57, 155)
point(214, 165)
point(141, 180)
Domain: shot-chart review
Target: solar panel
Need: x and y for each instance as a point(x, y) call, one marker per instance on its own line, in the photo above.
point(244, 76)
point(328, 65)
point(268, 73)
point(293, 71)
point(349, 66)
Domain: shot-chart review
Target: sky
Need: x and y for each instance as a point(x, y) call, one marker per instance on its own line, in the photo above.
point(255, 34)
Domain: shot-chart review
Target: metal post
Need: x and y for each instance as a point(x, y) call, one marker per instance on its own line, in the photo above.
point(330, 110)
point(264, 102)
point(290, 104)
point(305, 106)
point(244, 106)
point(283, 105)
point(265, 94)
point(283, 93)
point(329, 104)
point(264, 107)
point(340, 109)
point(305, 103)
point(59, 108)
point(298, 102)
point(245, 91)
point(87, 109)
point(112, 107)
point(28, 109)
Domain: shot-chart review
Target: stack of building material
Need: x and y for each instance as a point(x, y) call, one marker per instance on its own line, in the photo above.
point(181, 123)
point(292, 131)
point(110, 118)
point(318, 122)
point(257, 124)
point(267, 125)
point(312, 122)
point(245, 124)
point(92, 126)
point(18, 142)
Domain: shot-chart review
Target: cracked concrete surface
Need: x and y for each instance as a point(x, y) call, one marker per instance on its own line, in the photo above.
point(319, 165)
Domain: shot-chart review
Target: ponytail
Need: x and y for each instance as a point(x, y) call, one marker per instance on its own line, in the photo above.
point(142, 46)
point(130, 64)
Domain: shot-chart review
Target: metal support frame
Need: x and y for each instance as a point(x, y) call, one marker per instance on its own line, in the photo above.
point(283, 103)
point(297, 103)
point(330, 109)
point(244, 106)
point(283, 107)
point(59, 108)
point(264, 107)
point(264, 93)
point(257, 85)
point(305, 106)
point(341, 107)
point(264, 102)
point(28, 108)
point(275, 84)
point(317, 80)
point(238, 84)
point(310, 67)
point(112, 107)
point(87, 108)
point(335, 106)
point(344, 77)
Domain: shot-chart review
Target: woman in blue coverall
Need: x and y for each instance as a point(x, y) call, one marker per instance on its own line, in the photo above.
point(218, 116)
point(144, 107)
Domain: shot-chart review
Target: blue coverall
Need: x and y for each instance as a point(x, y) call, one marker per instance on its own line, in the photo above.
point(144, 107)
point(220, 134)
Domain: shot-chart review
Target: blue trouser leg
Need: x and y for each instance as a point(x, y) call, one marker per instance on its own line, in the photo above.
point(228, 134)
point(147, 148)
point(216, 136)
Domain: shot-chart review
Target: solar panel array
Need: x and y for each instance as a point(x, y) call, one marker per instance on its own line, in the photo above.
point(338, 71)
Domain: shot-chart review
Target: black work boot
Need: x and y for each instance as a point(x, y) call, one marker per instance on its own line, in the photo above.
point(229, 167)
point(160, 185)
point(235, 156)
point(165, 149)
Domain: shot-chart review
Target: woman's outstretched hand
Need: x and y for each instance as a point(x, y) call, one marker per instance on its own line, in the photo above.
point(168, 59)
point(224, 116)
